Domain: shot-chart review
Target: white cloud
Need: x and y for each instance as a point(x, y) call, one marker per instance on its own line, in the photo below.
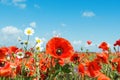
point(9, 35)
point(10, 30)
point(43, 39)
point(63, 25)
point(91, 45)
point(88, 14)
point(36, 6)
point(6, 2)
point(77, 42)
point(56, 34)
point(33, 24)
point(18, 3)
point(22, 6)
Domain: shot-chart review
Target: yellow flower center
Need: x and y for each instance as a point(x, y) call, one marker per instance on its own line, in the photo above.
point(37, 48)
point(38, 40)
point(29, 31)
point(20, 54)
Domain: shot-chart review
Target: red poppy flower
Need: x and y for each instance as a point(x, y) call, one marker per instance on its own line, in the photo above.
point(89, 42)
point(61, 62)
point(75, 58)
point(117, 43)
point(115, 60)
point(118, 66)
point(44, 64)
point(12, 49)
point(59, 48)
point(3, 52)
point(93, 69)
point(103, 77)
point(103, 57)
point(5, 69)
point(81, 69)
point(104, 46)
point(29, 70)
point(28, 54)
point(5, 48)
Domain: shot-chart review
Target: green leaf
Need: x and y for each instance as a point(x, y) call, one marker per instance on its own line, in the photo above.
point(57, 66)
point(66, 68)
point(56, 73)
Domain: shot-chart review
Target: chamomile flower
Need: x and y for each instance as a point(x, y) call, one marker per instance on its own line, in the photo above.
point(20, 55)
point(29, 31)
point(38, 47)
point(26, 42)
point(38, 40)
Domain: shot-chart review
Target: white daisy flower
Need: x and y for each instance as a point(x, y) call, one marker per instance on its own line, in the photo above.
point(38, 47)
point(29, 31)
point(38, 40)
point(20, 55)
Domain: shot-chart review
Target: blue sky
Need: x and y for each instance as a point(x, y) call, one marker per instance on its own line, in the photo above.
point(75, 20)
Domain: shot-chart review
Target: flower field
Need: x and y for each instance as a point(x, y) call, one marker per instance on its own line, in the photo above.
point(59, 61)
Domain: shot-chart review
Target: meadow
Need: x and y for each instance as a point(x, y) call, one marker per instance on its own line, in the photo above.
point(59, 61)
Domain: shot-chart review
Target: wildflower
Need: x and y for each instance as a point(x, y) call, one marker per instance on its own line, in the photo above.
point(93, 69)
point(38, 40)
point(2, 63)
point(61, 62)
point(38, 47)
point(75, 58)
point(3, 52)
point(104, 46)
point(5, 69)
point(26, 42)
point(29, 31)
point(117, 43)
point(44, 64)
point(118, 66)
point(81, 69)
point(103, 77)
point(103, 57)
point(59, 48)
point(12, 49)
point(116, 62)
point(28, 54)
point(89, 42)
point(20, 55)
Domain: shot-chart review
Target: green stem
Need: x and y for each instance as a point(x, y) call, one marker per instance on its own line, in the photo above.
point(118, 49)
point(34, 45)
point(27, 42)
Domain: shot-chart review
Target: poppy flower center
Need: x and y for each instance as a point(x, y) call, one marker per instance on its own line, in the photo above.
point(59, 51)
point(76, 58)
point(2, 64)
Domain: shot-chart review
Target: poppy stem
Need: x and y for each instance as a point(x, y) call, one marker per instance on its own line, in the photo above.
point(118, 49)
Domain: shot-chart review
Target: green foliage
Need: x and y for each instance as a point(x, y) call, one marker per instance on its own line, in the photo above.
point(66, 68)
